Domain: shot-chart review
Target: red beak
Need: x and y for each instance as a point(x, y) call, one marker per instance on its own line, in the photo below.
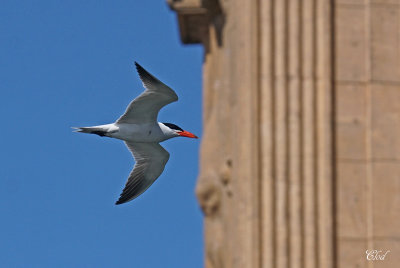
point(187, 134)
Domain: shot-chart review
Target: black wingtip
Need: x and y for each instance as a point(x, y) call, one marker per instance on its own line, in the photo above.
point(138, 66)
point(144, 75)
point(121, 201)
point(140, 69)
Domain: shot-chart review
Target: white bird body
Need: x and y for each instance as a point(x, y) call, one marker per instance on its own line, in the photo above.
point(139, 129)
point(146, 132)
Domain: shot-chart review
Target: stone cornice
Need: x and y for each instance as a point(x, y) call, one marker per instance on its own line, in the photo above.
point(192, 19)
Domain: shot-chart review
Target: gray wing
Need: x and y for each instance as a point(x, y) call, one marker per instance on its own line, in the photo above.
point(150, 162)
point(145, 108)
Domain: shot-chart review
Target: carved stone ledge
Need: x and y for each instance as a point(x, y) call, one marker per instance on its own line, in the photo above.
point(192, 19)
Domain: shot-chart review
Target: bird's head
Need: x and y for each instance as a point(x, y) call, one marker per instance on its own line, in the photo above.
point(179, 131)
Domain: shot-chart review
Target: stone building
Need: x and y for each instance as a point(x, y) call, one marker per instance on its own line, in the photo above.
point(307, 96)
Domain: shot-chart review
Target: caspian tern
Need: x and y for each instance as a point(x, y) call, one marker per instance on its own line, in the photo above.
point(139, 129)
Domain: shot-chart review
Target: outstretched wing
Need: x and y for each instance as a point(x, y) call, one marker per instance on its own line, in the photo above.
point(150, 162)
point(145, 107)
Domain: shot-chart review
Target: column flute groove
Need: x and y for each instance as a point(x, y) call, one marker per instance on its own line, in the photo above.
point(294, 129)
point(281, 137)
point(308, 91)
point(267, 128)
point(324, 123)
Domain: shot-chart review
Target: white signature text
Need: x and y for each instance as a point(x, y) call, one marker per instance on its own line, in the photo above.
point(376, 255)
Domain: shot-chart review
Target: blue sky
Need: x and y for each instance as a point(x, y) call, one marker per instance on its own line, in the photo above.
point(70, 63)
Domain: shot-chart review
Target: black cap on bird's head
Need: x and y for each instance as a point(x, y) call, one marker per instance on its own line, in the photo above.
point(180, 131)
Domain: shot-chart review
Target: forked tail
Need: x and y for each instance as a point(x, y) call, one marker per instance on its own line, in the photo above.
point(91, 130)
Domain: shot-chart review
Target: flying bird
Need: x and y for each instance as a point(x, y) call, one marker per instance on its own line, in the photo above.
point(139, 129)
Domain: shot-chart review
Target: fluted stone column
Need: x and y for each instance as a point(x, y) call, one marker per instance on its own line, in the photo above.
point(300, 151)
